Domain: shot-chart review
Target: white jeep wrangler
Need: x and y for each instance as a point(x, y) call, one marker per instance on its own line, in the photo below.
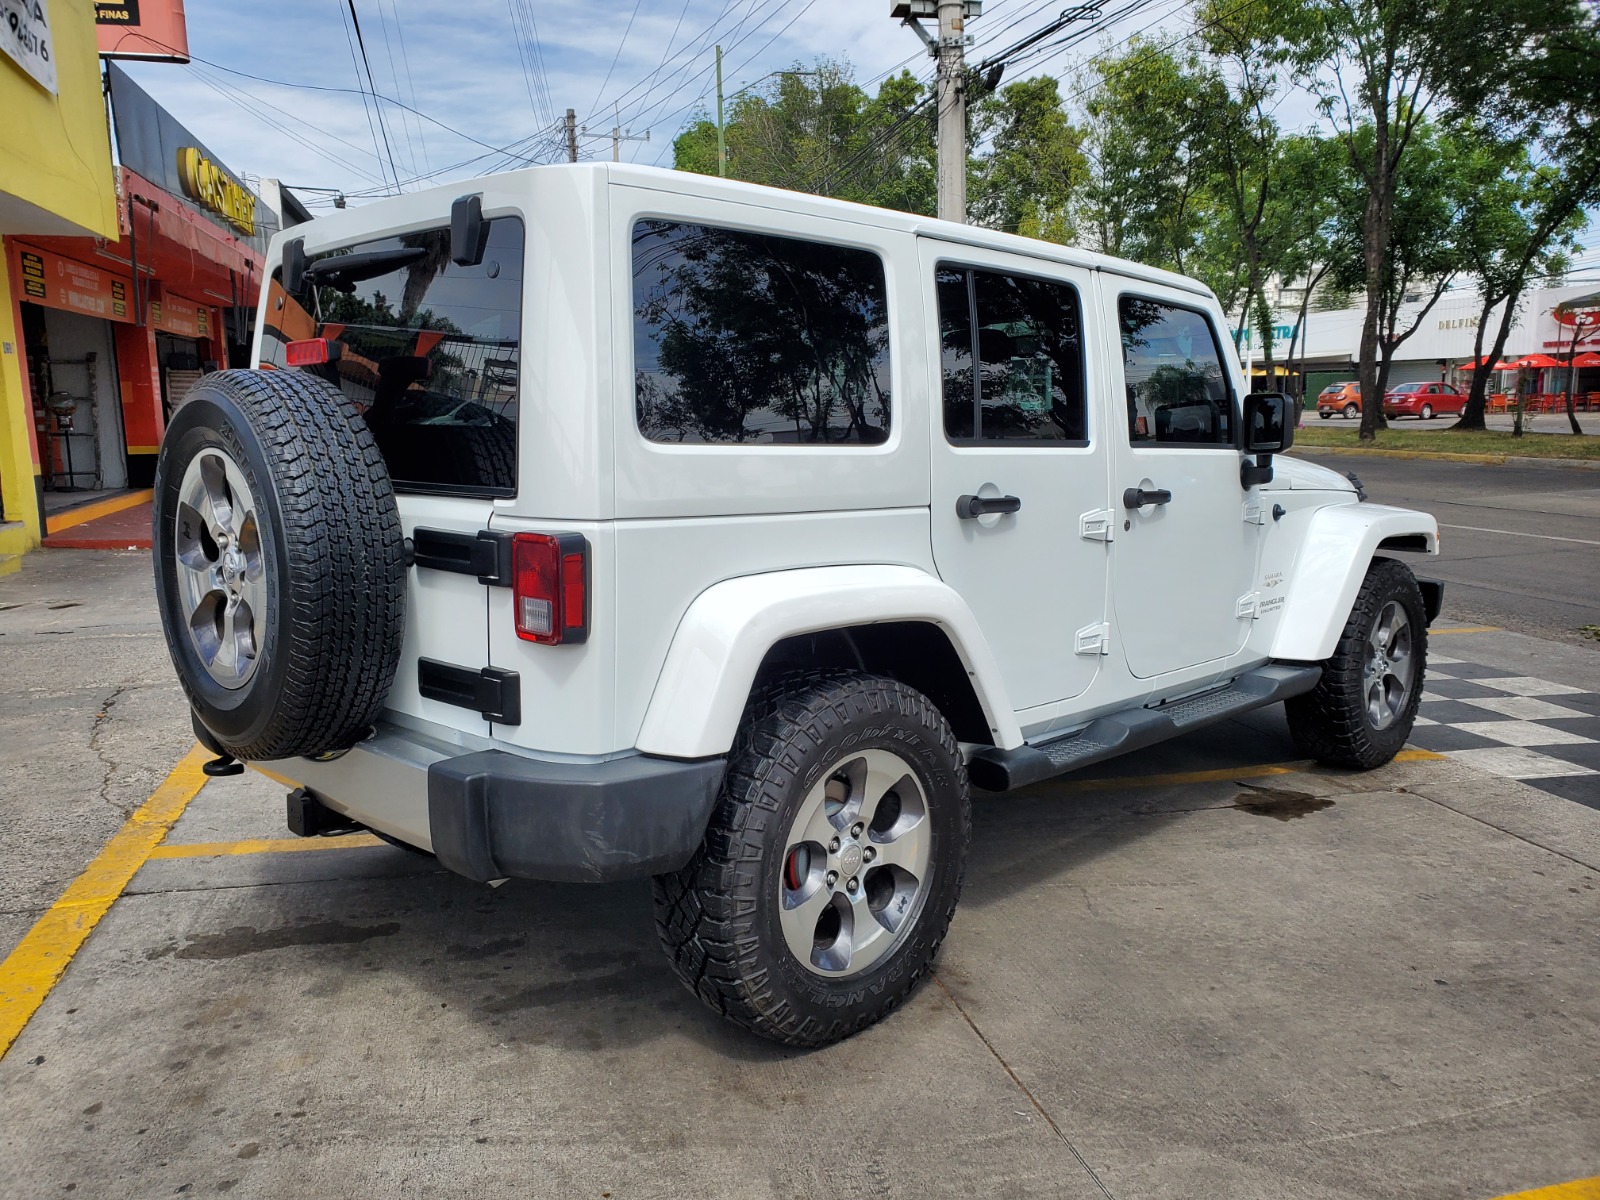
point(609, 522)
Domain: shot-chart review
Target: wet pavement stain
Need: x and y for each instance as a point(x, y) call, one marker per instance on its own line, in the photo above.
point(1278, 803)
point(246, 939)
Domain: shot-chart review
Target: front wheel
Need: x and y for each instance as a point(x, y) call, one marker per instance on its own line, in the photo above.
point(832, 864)
point(1324, 414)
point(1350, 410)
point(1361, 712)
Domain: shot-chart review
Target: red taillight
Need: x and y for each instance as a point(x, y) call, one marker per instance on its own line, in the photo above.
point(310, 352)
point(550, 587)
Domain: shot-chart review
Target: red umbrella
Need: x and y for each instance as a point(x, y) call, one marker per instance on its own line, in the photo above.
point(1534, 362)
point(1589, 358)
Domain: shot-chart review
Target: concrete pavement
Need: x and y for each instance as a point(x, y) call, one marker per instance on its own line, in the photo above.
point(1210, 971)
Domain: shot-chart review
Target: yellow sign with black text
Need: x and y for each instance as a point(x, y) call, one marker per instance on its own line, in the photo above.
point(211, 187)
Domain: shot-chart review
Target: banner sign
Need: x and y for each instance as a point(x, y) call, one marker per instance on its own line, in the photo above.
point(147, 29)
point(156, 146)
point(25, 37)
point(44, 277)
point(183, 318)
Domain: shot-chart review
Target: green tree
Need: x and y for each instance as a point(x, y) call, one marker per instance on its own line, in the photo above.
point(1034, 167)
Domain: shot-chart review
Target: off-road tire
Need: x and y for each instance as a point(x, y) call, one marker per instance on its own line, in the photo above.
point(717, 917)
point(1330, 723)
point(334, 560)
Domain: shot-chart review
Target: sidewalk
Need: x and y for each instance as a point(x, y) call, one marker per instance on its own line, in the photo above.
point(118, 523)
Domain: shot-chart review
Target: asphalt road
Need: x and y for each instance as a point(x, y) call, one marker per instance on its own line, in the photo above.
point(1521, 545)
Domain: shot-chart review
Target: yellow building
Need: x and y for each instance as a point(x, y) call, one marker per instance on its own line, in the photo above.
point(55, 180)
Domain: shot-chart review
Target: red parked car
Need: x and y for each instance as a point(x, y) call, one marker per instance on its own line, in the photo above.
point(1423, 401)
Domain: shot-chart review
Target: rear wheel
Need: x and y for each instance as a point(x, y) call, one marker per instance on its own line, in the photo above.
point(1427, 413)
point(832, 865)
point(1361, 712)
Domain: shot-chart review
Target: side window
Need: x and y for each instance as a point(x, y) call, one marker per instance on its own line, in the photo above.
point(428, 350)
point(1178, 392)
point(1026, 337)
point(752, 339)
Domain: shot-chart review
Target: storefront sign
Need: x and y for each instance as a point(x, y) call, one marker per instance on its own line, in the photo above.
point(213, 188)
point(154, 145)
point(43, 277)
point(25, 37)
point(183, 318)
point(148, 29)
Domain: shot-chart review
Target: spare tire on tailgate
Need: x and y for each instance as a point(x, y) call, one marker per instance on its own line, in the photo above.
point(279, 562)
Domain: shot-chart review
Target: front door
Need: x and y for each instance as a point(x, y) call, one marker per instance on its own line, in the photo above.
point(1186, 543)
point(1019, 476)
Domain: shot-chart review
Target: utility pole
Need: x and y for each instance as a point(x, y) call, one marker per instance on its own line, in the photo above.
point(950, 48)
point(722, 135)
point(618, 135)
point(572, 135)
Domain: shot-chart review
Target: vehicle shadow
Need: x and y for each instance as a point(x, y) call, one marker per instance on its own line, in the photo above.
point(579, 967)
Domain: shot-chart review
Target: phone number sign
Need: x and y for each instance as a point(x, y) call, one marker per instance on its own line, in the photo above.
point(25, 37)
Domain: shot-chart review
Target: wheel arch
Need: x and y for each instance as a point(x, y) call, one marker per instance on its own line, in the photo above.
point(892, 620)
point(1333, 559)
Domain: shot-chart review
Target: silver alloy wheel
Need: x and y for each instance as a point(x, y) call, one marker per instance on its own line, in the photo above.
point(856, 864)
point(1390, 670)
point(220, 571)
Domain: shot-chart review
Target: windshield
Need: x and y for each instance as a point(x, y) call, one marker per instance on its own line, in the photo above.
point(429, 351)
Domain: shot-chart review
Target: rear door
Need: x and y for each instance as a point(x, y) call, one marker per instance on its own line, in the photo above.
point(429, 352)
point(1015, 435)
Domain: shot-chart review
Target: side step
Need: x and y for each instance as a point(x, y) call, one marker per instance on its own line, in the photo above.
point(997, 770)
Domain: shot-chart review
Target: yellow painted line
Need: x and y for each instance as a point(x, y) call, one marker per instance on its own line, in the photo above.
point(100, 508)
point(1419, 756)
point(1578, 1189)
point(350, 841)
point(144, 449)
point(10, 564)
point(32, 969)
point(1466, 629)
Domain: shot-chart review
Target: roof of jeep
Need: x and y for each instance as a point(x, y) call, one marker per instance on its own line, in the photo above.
point(689, 183)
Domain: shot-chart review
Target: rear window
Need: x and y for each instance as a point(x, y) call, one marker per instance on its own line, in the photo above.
point(1411, 387)
point(430, 351)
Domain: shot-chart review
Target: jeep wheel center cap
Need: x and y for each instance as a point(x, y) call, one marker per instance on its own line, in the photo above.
point(850, 860)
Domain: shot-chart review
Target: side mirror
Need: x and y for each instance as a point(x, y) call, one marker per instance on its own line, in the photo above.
point(1268, 423)
point(469, 233)
point(1268, 430)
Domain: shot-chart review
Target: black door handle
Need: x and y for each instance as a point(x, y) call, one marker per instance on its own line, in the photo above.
point(1139, 497)
point(970, 507)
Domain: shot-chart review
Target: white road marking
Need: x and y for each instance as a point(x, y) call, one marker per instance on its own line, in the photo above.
point(1545, 537)
point(1514, 762)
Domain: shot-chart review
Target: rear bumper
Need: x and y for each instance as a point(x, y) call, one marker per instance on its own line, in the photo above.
point(493, 814)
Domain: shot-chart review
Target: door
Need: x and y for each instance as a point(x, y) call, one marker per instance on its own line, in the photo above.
point(1018, 474)
point(1186, 547)
point(427, 349)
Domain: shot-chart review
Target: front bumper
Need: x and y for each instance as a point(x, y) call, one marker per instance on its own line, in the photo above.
point(493, 814)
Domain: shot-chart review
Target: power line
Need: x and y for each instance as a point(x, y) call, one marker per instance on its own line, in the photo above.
point(618, 55)
point(371, 128)
point(389, 153)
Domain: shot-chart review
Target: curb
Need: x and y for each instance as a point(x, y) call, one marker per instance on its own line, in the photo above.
point(1493, 460)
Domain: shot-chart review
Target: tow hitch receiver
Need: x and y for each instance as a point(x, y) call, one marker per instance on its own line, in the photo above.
point(310, 817)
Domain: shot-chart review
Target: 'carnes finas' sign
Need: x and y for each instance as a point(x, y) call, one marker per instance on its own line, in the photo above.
point(211, 187)
point(25, 37)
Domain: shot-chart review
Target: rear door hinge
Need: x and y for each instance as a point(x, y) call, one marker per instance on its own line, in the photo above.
point(486, 553)
point(1096, 526)
point(1092, 639)
point(1247, 606)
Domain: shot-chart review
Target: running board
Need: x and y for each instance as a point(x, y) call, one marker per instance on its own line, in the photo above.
point(997, 770)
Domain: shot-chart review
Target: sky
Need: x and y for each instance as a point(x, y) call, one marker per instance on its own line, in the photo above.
point(487, 74)
point(474, 86)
